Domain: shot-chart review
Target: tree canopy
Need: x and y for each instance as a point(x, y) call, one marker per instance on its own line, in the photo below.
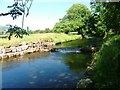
point(75, 19)
point(19, 7)
point(105, 18)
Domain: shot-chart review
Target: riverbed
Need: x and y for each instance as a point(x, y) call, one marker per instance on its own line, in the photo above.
point(60, 69)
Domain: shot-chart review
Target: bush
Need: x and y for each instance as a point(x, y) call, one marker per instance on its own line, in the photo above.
point(107, 67)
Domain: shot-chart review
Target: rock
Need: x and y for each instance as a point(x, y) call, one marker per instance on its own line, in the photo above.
point(14, 49)
point(30, 44)
point(45, 50)
point(88, 71)
point(2, 50)
point(19, 49)
point(7, 46)
point(31, 50)
point(85, 83)
point(21, 53)
point(17, 53)
point(24, 47)
point(3, 56)
point(53, 49)
point(8, 50)
point(10, 54)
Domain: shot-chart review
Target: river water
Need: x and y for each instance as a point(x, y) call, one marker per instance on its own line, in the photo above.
point(60, 69)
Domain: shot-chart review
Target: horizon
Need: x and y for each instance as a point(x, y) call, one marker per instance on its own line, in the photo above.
point(43, 14)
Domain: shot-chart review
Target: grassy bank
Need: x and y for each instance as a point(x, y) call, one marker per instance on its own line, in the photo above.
point(107, 64)
point(56, 37)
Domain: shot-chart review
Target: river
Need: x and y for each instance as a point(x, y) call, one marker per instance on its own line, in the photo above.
point(60, 69)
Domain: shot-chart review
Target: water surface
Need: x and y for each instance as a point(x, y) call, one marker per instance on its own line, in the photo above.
point(61, 69)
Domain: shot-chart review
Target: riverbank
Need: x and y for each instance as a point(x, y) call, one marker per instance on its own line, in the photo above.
point(55, 37)
point(33, 43)
point(103, 71)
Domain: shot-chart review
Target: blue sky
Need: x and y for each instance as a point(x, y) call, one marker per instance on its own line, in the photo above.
point(43, 13)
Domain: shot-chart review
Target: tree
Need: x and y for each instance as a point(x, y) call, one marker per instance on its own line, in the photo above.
point(75, 20)
point(105, 18)
point(96, 25)
point(20, 7)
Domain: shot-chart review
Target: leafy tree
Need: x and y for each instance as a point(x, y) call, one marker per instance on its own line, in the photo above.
point(20, 7)
point(18, 31)
point(96, 25)
point(104, 19)
point(75, 19)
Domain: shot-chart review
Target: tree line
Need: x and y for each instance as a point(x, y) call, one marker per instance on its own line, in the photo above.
point(102, 20)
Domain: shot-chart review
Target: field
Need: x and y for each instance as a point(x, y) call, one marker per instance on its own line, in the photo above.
point(56, 37)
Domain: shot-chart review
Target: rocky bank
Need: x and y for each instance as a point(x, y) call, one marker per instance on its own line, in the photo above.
point(25, 48)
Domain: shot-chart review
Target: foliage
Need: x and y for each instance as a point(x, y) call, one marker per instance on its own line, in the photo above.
point(107, 67)
point(19, 32)
point(112, 16)
point(18, 8)
point(104, 19)
point(75, 19)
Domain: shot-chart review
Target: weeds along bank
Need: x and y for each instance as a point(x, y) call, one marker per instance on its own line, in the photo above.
point(104, 70)
point(32, 43)
point(107, 64)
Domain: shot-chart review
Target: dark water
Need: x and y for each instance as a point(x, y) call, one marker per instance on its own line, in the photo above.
point(61, 69)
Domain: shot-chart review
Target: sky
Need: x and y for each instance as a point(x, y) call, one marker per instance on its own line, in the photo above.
point(43, 13)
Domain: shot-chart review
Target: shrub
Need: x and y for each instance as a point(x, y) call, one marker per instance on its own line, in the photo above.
point(107, 67)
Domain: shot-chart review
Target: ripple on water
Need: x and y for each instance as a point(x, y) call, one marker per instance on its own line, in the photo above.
point(31, 82)
point(55, 80)
point(41, 72)
point(50, 80)
point(66, 77)
point(59, 81)
point(61, 75)
point(34, 77)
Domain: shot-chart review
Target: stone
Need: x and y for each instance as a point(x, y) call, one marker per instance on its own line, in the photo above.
point(85, 83)
point(30, 44)
point(24, 47)
point(45, 50)
point(19, 49)
point(14, 49)
point(7, 46)
point(3, 56)
point(10, 54)
point(8, 50)
point(17, 53)
point(21, 53)
point(2, 50)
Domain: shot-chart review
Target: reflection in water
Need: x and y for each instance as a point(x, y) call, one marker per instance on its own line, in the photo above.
point(44, 70)
point(77, 61)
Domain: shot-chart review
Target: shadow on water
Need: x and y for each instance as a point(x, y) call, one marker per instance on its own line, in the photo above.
point(61, 69)
point(77, 61)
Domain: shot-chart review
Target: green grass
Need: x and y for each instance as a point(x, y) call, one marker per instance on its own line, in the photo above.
point(56, 37)
point(107, 68)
